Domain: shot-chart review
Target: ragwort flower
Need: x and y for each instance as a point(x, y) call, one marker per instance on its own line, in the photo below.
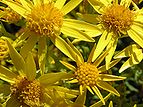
point(116, 20)
point(89, 75)
point(8, 15)
point(26, 89)
point(45, 19)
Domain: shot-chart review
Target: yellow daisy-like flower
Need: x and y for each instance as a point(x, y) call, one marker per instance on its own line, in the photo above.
point(26, 89)
point(45, 19)
point(8, 15)
point(135, 54)
point(116, 20)
point(89, 75)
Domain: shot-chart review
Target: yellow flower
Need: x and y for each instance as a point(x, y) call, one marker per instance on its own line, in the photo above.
point(45, 19)
point(89, 74)
point(26, 89)
point(8, 15)
point(135, 54)
point(116, 20)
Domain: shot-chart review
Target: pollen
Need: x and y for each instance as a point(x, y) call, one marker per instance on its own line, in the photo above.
point(27, 92)
point(45, 20)
point(8, 15)
point(117, 18)
point(87, 74)
point(3, 49)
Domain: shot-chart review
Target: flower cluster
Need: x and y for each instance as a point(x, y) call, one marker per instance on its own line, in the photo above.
point(47, 64)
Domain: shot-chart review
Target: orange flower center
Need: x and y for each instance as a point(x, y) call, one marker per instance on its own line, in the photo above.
point(87, 74)
point(45, 20)
point(117, 18)
point(27, 92)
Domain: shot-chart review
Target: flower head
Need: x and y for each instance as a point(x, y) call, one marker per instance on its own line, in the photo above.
point(116, 20)
point(45, 20)
point(89, 75)
point(26, 89)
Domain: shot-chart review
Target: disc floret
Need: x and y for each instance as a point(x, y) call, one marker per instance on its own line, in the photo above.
point(87, 74)
point(45, 20)
point(27, 92)
point(117, 18)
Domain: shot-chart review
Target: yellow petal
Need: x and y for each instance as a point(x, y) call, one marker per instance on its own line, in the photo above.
point(134, 59)
point(107, 87)
point(78, 54)
point(96, 90)
point(106, 77)
point(112, 45)
point(91, 54)
point(73, 81)
point(102, 43)
point(127, 51)
point(80, 25)
point(110, 104)
point(28, 46)
point(30, 67)
point(70, 6)
point(97, 5)
point(17, 7)
point(101, 58)
point(59, 3)
point(99, 103)
point(72, 32)
point(16, 59)
point(91, 18)
point(103, 68)
point(64, 47)
point(80, 89)
point(136, 37)
point(42, 51)
point(26, 4)
point(37, 2)
point(90, 90)
point(6, 74)
point(71, 67)
point(125, 3)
